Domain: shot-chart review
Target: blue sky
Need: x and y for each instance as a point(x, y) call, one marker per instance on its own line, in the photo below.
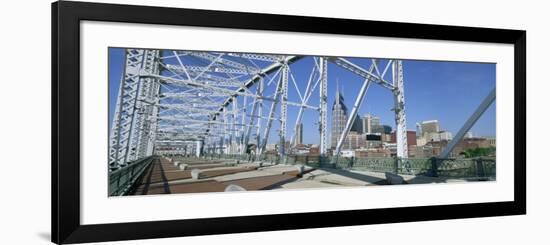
point(445, 91)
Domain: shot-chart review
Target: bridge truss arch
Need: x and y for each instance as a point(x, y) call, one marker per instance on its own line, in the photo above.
point(188, 102)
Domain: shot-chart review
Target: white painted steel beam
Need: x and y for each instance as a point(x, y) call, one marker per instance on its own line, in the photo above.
point(399, 109)
point(323, 117)
point(489, 99)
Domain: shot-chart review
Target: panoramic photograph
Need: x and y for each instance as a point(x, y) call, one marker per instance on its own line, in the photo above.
point(200, 121)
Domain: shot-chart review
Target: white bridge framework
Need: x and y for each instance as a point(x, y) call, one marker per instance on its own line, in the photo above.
point(218, 102)
point(222, 102)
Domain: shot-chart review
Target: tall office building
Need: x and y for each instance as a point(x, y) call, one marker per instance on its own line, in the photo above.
point(429, 127)
point(339, 120)
point(370, 123)
point(357, 126)
point(431, 132)
point(299, 134)
point(439, 136)
point(365, 123)
point(445, 136)
point(418, 130)
point(381, 129)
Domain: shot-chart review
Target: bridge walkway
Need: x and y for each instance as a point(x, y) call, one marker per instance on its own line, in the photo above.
point(163, 177)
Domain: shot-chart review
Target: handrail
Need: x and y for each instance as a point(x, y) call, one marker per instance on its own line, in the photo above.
point(122, 179)
point(479, 167)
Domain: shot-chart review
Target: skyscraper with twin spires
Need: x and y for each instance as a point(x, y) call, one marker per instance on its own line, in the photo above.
point(339, 117)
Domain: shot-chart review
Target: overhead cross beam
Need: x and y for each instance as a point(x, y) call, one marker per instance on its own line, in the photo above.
point(348, 65)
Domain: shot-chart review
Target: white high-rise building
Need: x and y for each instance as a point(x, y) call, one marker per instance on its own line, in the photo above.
point(445, 135)
point(370, 122)
point(429, 127)
point(418, 130)
point(439, 136)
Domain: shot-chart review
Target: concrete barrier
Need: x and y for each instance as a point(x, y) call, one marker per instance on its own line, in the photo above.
point(394, 179)
point(233, 187)
point(195, 173)
point(182, 166)
point(300, 168)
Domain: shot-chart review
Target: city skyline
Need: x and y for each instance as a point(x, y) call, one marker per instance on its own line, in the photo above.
point(435, 90)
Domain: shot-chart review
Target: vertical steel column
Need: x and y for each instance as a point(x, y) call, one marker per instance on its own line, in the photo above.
point(220, 135)
point(399, 101)
point(284, 93)
point(235, 108)
point(115, 139)
point(132, 132)
point(257, 101)
point(226, 136)
point(152, 97)
point(242, 147)
point(230, 132)
point(147, 93)
point(323, 146)
point(220, 151)
point(259, 123)
point(271, 115)
point(198, 150)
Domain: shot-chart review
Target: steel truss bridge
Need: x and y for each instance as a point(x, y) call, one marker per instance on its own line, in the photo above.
point(222, 102)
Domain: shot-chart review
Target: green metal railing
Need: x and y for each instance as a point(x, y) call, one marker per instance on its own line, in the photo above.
point(473, 167)
point(459, 168)
point(122, 179)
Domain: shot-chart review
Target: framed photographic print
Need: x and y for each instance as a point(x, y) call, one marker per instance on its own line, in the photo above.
point(177, 122)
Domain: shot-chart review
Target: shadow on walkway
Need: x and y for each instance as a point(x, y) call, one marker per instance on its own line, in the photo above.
point(357, 176)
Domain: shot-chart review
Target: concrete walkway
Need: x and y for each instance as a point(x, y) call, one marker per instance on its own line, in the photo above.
point(164, 177)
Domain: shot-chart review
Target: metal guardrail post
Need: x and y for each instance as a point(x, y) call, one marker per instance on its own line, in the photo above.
point(433, 169)
point(396, 165)
point(480, 170)
point(118, 182)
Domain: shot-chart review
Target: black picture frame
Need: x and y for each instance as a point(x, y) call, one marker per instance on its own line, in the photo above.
point(66, 18)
